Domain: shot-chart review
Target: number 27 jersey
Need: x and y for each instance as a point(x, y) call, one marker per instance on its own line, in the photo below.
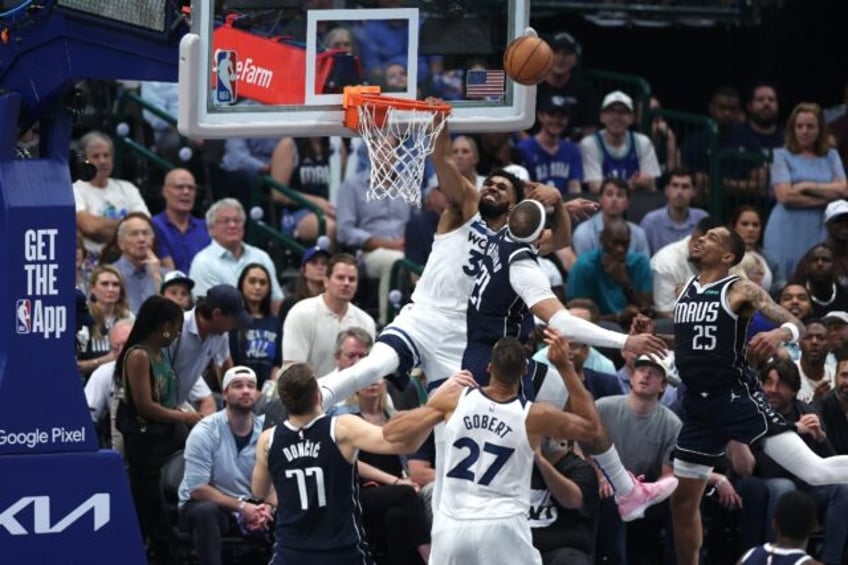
point(709, 338)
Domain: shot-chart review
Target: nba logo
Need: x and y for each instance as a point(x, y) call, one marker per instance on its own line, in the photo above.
point(225, 90)
point(23, 316)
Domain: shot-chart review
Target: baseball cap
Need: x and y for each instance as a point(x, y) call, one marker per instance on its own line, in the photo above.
point(617, 97)
point(175, 277)
point(653, 361)
point(312, 252)
point(562, 40)
point(228, 299)
point(237, 372)
point(838, 316)
point(835, 209)
point(553, 103)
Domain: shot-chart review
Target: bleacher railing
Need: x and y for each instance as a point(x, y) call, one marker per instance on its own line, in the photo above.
point(260, 198)
point(124, 142)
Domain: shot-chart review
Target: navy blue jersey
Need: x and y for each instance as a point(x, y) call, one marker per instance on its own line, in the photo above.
point(312, 174)
point(317, 490)
point(624, 167)
point(769, 554)
point(494, 309)
point(709, 338)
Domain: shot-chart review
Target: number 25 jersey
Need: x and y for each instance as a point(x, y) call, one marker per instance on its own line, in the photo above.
point(488, 458)
point(709, 338)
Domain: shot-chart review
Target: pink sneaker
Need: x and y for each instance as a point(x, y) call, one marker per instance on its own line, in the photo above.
point(644, 495)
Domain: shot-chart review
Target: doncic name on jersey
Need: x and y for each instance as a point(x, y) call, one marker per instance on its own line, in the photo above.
point(33, 314)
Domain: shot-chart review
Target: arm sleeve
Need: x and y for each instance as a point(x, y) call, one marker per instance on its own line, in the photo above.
point(198, 458)
point(79, 201)
point(779, 168)
point(201, 273)
point(199, 390)
point(529, 282)
point(98, 390)
point(591, 159)
point(135, 203)
point(835, 162)
point(585, 331)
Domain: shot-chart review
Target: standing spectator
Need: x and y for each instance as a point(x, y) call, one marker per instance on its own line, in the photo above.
point(815, 272)
point(806, 175)
point(676, 220)
point(817, 377)
point(258, 345)
point(645, 432)
point(377, 227)
point(147, 416)
point(102, 201)
point(220, 453)
point(563, 505)
point(310, 281)
point(615, 151)
point(223, 260)
point(177, 286)
point(566, 79)
point(747, 222)
point(834, 408)
point(836, 222)
point(617, 280)
point(549, 158)
point(180, 235)
point(310, 329)
point(108, 305)
point(614, 201)
point(140, 268)
point(763, 111)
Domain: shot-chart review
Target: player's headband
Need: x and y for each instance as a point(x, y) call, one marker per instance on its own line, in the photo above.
point(537, 233)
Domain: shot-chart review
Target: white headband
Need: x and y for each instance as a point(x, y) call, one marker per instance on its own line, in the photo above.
point(537, 233)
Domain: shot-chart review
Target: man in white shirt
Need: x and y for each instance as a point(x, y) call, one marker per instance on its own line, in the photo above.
point(310, 329)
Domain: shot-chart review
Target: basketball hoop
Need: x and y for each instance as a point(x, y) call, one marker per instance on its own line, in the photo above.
point(399, 135)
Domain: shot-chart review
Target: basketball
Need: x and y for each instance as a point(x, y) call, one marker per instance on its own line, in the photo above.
point(527, 60)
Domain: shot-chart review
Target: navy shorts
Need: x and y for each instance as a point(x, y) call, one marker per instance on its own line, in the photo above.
point(711, 419)
point(477, 357)
point(353, 556)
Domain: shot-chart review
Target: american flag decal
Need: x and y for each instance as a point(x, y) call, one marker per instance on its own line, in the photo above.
point(480, 83)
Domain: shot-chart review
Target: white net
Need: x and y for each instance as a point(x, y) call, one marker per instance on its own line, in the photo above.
point(398, 150)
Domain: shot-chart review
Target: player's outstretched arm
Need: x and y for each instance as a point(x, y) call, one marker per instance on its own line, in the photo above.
point(747, 297)
point(462, 195)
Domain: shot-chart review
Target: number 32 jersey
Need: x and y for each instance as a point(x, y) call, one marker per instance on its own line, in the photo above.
point(709, 338)
point(488, 458)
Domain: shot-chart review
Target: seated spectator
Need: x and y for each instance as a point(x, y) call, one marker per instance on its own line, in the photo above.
point(747, 221)
point(226, 256)
point(794, 521)
point(645, 433)
point(259, 345)
point(627, 371)
point(599, 384)
point(836, 223)
point(466, 156)
point(676, 219)
point(837, 331)
point(566, 79)
point(310, 281)
point(564, 505)
point(816, 272)
point(549, 158)
point(375, 226)
point(100, 391)
point(394, 77)
point(102, 201)
point(664, 140)
point(140, 268)
point(763, 111)
point(177, 286)
point(220, 452)
point(179, 235)
point(615, 151)
point(834, 407)
point(806, 175)
point(817, 377)
point(618, 281)
point(310, 329)
point(595, 360)
point(739, 177)
point(614, 200)
point(796, 299)
point(244, 161)
point(107, 306)
point(303, 164)
point(671, 267)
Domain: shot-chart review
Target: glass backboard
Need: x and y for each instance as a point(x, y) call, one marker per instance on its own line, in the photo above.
point(278, 67)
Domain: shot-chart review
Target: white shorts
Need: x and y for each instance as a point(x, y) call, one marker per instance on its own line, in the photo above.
point(427, 338)
point(505, 541)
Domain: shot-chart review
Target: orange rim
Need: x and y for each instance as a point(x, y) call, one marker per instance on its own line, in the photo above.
point(356, 96)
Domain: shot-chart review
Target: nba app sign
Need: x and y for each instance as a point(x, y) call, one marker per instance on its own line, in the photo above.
point(34, 315)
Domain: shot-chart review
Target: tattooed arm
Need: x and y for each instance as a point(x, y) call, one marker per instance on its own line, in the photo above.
point(745, 298)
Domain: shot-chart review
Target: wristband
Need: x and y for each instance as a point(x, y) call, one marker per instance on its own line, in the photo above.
point(242, 500)
point(792, 329)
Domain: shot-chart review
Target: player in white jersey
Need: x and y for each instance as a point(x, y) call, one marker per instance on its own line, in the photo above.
point(491, 433)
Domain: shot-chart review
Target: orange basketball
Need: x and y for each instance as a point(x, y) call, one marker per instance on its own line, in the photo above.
point(527, 60)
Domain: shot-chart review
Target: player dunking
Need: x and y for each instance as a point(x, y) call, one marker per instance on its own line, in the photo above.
point(721, 403)
point(482, 518)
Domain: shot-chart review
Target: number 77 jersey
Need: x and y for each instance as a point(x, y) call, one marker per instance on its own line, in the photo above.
point(710, 339)
point(488, 458)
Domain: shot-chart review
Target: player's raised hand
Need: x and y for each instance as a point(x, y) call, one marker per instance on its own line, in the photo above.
point(645, 344)
point(581, 208)
point(642, 324)
point(765, 344)
point(443, 397)
point(558, 352)
point(547, 195)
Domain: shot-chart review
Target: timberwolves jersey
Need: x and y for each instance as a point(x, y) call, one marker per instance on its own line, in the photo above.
point(317, 490)
point(624, 167)
point(769, 554)
point(709, 338)
point(494, 309)
point(454, 262)
point(488, 458)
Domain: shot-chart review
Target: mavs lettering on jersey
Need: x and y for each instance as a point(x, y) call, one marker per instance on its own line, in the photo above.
point(709, 338)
